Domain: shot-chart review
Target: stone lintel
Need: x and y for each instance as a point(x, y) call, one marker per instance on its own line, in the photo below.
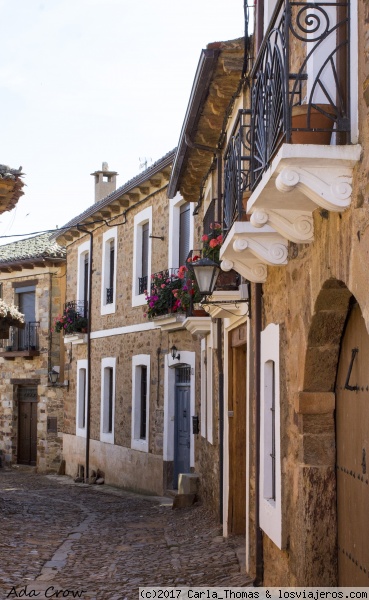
point(314, 403)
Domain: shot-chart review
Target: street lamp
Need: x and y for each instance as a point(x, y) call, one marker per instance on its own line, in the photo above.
point(53, 377)
point(206, 273)
point(174, 353)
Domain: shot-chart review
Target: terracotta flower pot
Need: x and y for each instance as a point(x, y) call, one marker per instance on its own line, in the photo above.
point(317, 121)
point(199, 312)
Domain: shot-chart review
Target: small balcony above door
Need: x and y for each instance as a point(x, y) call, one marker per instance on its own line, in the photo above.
point(21, 342)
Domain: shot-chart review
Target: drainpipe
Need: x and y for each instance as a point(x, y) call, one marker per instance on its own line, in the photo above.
point(259, 559)
point(89, 319)
point(220, 359)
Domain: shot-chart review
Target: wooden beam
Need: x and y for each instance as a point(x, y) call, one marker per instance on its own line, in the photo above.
point(133, 196)
point(145, 190)
point(123, 201)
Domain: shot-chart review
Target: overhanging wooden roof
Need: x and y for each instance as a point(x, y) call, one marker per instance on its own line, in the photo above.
point(216, 81)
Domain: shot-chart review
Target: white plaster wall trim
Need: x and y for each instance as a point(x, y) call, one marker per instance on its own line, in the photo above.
point(269, 249)
point(330, 193)
point(140, 360)
point(270, 508)
point(123, 330)
point(295, 226)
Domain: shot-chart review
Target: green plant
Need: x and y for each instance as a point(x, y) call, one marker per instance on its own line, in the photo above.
point(160, 299)
point(71, 321)
point(212, 242)
point(187, 290)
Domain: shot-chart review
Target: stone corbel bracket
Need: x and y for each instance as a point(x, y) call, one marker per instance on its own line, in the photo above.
point(332, 190)
point(264, 243)
point(296, 226)
point(253, 270)
point(249, 249)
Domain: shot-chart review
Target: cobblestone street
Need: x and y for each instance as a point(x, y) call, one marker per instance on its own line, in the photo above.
point(61, 539)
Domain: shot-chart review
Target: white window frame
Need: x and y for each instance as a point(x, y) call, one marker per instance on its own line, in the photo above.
point(83, 249)
point(107, 436)
point(203, 409)
point(140, 360)
point(143, 217)
point(81, 365)
point(209, 390)
point(109, 236)
point(270, 509)
point(173, 238)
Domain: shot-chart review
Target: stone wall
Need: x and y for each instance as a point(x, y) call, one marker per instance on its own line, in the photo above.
point(137, 469)
point(34, 371)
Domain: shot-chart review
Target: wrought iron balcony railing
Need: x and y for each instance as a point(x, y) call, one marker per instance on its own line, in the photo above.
point(74, 318)
point(301, 79)
point(22, 340)
point(209, 217)
point(142, 284)
point(237, 170)
point(109, 295)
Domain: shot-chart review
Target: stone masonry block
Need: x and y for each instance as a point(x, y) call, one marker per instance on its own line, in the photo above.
point(188, 483)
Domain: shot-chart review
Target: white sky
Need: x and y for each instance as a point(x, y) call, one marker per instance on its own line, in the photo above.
point(87, 81)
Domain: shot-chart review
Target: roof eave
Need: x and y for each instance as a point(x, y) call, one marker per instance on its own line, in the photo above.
point(204, 73)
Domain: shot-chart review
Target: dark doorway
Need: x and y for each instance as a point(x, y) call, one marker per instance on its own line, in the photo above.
point(182, 423)
point(27, 432)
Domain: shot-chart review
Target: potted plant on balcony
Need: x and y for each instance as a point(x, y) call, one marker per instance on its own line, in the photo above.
point(187, 295)
point(160, 299)
point(71, 321)
point(9, 315)
point(212, 242)
point(319, 119)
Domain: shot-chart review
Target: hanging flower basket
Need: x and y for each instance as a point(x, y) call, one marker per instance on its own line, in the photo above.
point(9, 317)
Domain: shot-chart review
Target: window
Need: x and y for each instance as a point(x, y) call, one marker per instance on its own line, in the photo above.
point(83, 277)
point(140, 401)
point(207, 408)
point(81, 398)
point(107, 400)
point(141, 256)
point(181, 230)
point(184, 232)
point(109, 268)
point(25, 339)
point(270, 451)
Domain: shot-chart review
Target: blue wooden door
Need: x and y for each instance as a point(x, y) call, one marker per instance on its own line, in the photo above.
point(182, 423)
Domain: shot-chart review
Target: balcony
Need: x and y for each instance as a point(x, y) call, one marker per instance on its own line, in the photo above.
point(21, 342)
point(295, 138)
point(172, 299)
point(73, 323)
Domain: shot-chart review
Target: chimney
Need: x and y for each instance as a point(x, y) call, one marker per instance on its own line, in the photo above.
point(105, 182)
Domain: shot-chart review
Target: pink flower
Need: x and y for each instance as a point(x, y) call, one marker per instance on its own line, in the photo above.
point(163, 286)
point(205, 238)
point(213, 243)
point(220, 239)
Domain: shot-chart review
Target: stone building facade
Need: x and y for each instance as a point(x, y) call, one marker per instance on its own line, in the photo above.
point(32, 276)
point(135, 376)
point(294, 215)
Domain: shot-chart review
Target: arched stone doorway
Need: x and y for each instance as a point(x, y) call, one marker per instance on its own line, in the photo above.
point(315, 408)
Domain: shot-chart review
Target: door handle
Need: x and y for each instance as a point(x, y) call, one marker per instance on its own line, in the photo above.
point(351, 388)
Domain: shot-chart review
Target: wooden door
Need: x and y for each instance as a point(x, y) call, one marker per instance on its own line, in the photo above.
point(182, 423)
point(27, 431)
point(352, 434)
point(237, 432)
